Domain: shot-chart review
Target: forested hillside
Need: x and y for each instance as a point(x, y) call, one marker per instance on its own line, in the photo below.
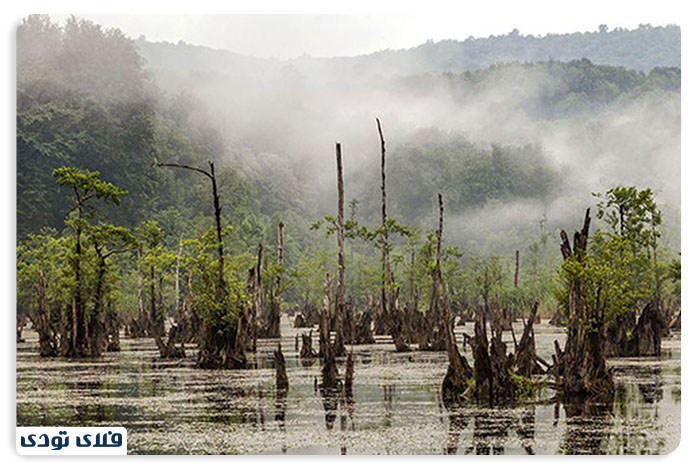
point(642, 49)
point(516, 149)
point(476, 226)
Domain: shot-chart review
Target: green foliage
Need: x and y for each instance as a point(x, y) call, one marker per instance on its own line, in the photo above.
point(432, 161)
point(43, 273)
point(86, 185)
point(621, 269)
point(525, 388)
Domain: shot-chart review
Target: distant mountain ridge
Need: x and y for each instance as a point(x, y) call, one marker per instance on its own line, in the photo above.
point(642, 49)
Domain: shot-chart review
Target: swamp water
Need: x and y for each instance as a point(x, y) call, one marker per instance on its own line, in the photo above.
point(171, 407)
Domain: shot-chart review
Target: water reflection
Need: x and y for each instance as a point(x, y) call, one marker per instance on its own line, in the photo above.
point(586, 426)
point(458, 420)
point(394, 407)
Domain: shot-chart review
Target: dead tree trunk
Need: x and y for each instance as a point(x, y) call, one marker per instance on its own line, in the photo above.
point(329, 372)
point(454, 386)
point(306, 352)
point(646, 337)
point(525, 353)
point(350, 371)
point(340, 305)
point(363, 329)
point(324, 325)
point(272, 323)
point(517, 266)
point(390, 313)
point(258, 312)
point(280, 372)
point(583, 364)
point(217, 345)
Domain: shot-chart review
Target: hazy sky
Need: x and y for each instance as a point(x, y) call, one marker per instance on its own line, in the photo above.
point(287, 36)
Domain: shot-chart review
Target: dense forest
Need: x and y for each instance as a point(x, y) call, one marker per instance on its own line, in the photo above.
point(159, 197)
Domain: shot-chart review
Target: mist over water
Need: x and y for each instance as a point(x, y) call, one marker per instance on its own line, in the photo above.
point(291, 113)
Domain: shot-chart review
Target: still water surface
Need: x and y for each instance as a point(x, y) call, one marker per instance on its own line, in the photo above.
point(172, 407)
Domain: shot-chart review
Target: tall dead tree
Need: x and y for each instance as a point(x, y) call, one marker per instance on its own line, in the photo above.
point(388, 309)
point(340, 305)
point(271, 327)
point(210, 174)
point(258, 311)
point(218, 347)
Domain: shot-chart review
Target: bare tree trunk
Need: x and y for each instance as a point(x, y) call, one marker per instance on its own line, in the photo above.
point(324, 326)
point(275, 326)
point(218, 229)
point(280, 372)
point(176, 278)
point(329, 372)
point(525, 354)
point(259, 312)
point(218, 347)
point(340, 306)
point(389, 311)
